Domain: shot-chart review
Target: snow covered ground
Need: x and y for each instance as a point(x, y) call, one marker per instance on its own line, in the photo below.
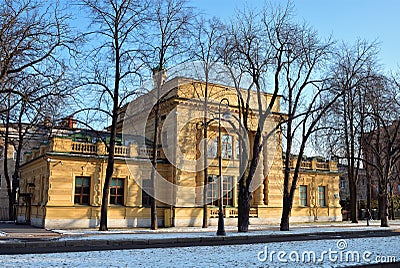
point(328, 253)
point(196, 232)
point(317, 253)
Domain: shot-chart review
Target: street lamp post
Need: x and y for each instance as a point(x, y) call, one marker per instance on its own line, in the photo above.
point(221, 227)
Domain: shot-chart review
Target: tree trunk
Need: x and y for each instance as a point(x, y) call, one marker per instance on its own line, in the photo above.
point(15, 186)
point(244, 210)
point(157, 78)
point(379, 207)
point(8, 182)
point(5, 162)
point(391, 214)
point(284, 225)
point(113, 134)
point(153, 204)
point(353, 203)
point(384, 211)
point(107, 180)
point(10, 207)
point(369, 193)
point(245, 196)
point(105, 197)
point(15, 176)
point(286, 208)
point(392, 209)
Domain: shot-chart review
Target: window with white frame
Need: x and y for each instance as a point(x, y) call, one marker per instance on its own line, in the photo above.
point(213, 190)
point(226, 146)
point(228, 191)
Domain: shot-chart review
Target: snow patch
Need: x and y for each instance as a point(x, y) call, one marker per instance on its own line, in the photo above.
point(212, 256)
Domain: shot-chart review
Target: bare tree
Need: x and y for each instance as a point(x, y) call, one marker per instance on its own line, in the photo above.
point(167, 45)
point(306, 98)
point(27, 121)
point(247, 52)
point(32, 36)
point(381, 144)
point(270, 44)
point(207, 40)
point(353, 67)
point(31, 32)
point(115, 63)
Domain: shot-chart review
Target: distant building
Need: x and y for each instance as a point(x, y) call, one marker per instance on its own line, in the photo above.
point(62, 180)
point(381, 158)
point(362, 185)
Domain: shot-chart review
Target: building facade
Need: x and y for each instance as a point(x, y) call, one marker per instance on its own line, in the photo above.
point(32, 136)
point(31, 139)
point(362, 184)
point(4, 203)
point(61, 182)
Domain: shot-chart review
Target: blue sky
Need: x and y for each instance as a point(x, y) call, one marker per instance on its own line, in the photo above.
point(345, 20)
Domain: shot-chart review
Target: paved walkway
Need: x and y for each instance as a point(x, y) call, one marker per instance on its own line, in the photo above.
point(25, 232)
point(20, 239)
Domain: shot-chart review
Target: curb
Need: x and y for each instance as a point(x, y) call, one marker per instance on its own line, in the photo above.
point(57, 245)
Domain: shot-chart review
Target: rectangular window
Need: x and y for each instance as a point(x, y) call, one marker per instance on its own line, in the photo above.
point(303, 195)
point(212, 190)
point(321, 196)
point(226, 147)
point(146, 188)
point(82, 190)
point(117, 191)
point(228, 191)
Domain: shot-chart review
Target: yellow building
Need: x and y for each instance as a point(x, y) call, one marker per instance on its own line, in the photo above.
point(4, 201)
point(30, 141)
point(61, 182)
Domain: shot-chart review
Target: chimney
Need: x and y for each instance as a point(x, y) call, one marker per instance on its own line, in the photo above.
point(70, 122)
